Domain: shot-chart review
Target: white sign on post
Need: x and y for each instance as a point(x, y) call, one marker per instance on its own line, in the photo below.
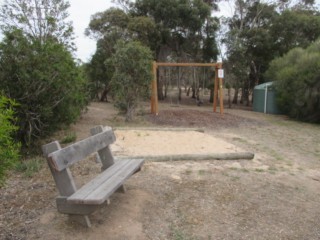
point(220, 73)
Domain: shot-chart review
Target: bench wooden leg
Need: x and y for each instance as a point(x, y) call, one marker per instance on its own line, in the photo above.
point(82, 219)
point(122, 189)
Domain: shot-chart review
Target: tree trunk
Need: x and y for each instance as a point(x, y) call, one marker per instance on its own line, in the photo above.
point(160, 86)
point(235, 97)
point(229, 97)
point(104, 94)
point(188, 91)
point(211, 95)
point(129, 113)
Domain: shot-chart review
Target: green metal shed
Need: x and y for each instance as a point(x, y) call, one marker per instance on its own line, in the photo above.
point(264, 99)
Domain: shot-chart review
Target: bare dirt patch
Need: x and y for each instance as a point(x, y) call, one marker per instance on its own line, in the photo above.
point(274, 196)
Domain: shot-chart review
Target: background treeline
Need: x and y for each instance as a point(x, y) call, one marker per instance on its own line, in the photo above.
point(247, 41)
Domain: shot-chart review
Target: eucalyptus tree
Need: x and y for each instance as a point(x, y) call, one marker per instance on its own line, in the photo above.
point(295, 28)
point(106, 28)
point(249, 44)
point(38, 19)
point(186, 28)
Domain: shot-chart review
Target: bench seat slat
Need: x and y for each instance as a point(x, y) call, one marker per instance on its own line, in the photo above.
point(100, 189)
point(90, 186)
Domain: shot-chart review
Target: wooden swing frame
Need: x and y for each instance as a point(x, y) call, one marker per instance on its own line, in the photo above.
point(217, 81)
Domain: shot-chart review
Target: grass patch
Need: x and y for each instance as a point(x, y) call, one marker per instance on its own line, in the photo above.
point(259, 170)
point(239, 140)
point(201, 172)
point(188, 172)
point(275, 155)
point(30, 167)
point(69, 138)
point(235, 178)
point(273, 170)
point(178, 234)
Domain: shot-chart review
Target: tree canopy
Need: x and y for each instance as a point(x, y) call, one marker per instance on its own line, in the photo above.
point(297, 81)
point(132, 77)
point(38, 19)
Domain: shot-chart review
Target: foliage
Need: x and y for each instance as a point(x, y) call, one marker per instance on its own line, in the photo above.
point(294, 29)
point(99, 74)
point(9, 149)
point(260, 31)
point(183, 30)
point(185, 26)
point(38, 20)
point(132, 77)
point(44, 80)
point(69, 138)
point(297, 79)
point(249, 44)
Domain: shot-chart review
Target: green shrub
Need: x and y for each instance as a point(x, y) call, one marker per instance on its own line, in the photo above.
point(46, 82)
point(297, 82)
point(69, 138)
point(9, 150)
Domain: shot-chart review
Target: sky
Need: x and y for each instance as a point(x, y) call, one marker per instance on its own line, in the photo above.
point(80, 12)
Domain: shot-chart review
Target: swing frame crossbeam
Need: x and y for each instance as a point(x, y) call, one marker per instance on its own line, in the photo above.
point(217, 82)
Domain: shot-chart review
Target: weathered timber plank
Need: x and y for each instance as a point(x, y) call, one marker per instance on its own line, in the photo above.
point(86, 189)
point(178, 129)
point(181, 157)
point(64, 207)
point(105, 154)
point(63, 179)
point(100, 192)
point(67, 156)
point(105, 190)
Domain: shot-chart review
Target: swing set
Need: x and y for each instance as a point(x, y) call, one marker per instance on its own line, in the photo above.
point(218, 80)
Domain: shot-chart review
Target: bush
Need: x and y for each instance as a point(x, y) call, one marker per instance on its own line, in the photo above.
point(44, 80)
point(132, 76)
point(9, 150)
point(297, 82)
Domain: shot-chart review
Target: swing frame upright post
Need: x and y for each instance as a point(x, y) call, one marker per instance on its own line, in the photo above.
point(217, 82)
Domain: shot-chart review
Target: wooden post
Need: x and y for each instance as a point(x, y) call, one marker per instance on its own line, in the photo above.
point(63, 179)
point(105, 154)
point(215, 92)
point(64, 183)
point(154, 91)
point(221, 95)
point(221, 92)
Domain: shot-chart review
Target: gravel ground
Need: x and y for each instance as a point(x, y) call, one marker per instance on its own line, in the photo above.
point(274, 196)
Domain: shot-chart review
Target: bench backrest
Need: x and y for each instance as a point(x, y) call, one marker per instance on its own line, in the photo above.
point(64, 158)
point(60, 159)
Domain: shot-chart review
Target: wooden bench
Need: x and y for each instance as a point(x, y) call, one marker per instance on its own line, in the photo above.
point(79, 203)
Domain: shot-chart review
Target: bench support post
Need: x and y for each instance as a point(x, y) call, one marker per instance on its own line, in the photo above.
point(64, 181)
point(105, 154)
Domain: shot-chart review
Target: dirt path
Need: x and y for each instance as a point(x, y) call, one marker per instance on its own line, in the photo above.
point(274, 196)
